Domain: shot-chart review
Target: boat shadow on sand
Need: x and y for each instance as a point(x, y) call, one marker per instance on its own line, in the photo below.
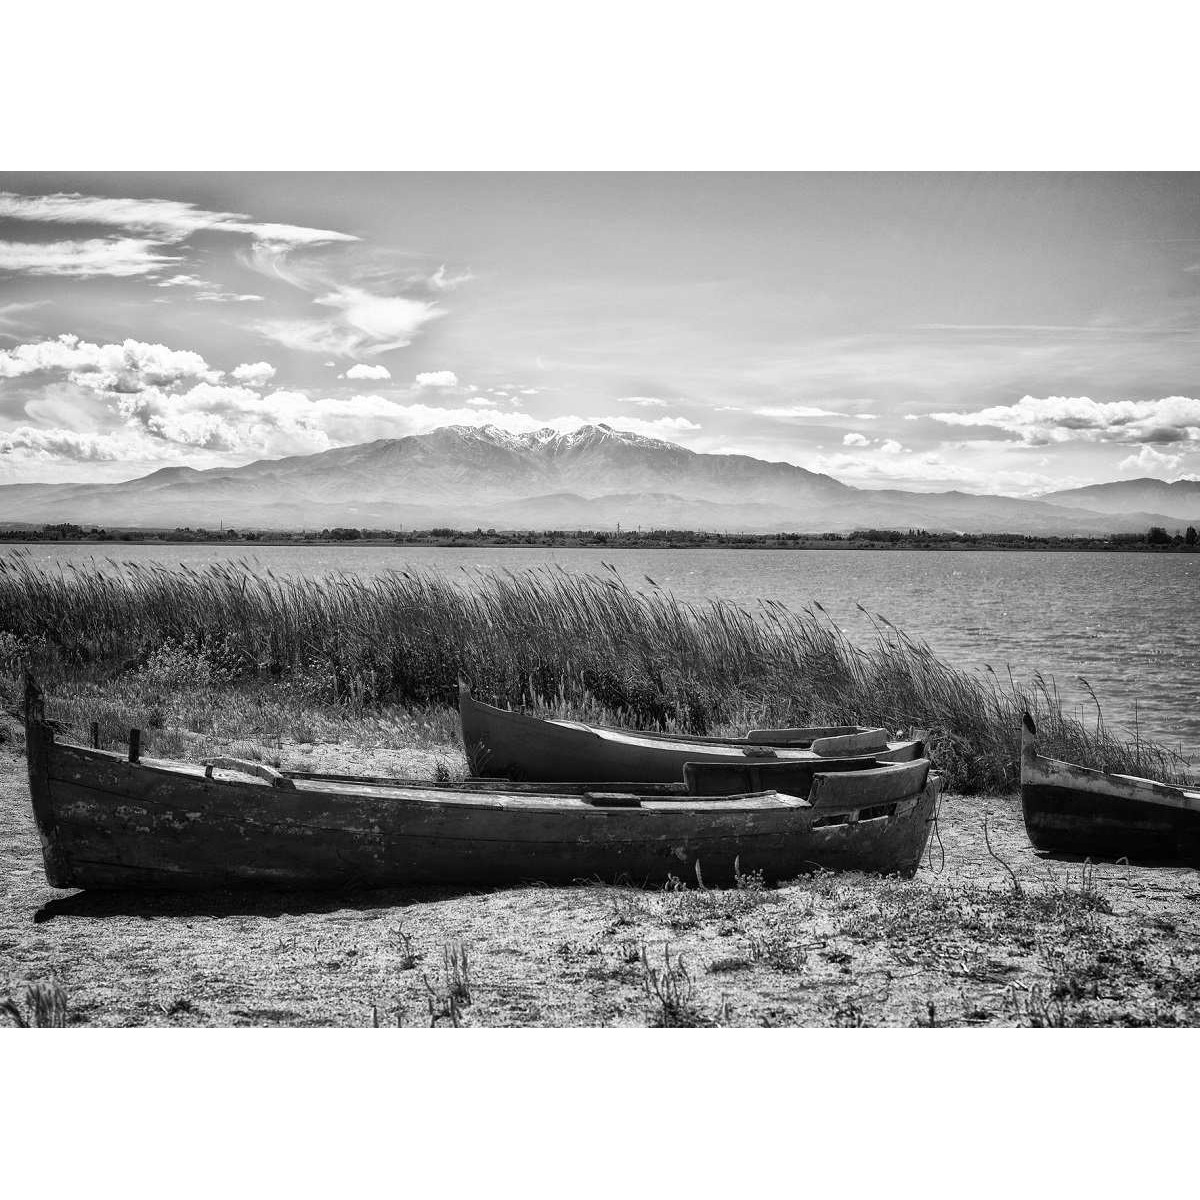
point(1177, 864)
point(98, 904)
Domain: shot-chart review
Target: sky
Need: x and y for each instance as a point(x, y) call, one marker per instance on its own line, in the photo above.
point(989, 332)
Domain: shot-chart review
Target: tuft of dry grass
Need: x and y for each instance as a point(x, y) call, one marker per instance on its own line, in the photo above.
point(447, 1001)
point(683, 908)
point(673, 987)
point(43, 1006)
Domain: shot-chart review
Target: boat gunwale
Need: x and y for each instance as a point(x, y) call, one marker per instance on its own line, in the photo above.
point(431, 793)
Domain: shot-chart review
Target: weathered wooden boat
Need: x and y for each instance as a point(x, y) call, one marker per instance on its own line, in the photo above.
point(514, 745)
point(1076, 810)
point(120, 820)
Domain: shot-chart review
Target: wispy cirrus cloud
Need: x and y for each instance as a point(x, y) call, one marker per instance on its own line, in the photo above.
point(658, 427)
point(215, 297)
point(370, 309)
point(148, 227)
point(161, 220)
point(445, 281)
point(930, 471)
point(375, 308)
point(191, 281)
point(11, 317)
point(1096, 329)
point(122, 257)
point(792, 412)
point(361, 324)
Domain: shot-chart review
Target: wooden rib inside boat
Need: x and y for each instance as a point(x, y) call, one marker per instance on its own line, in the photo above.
point(514, 745)
point(109, 819)
point(1075, 810)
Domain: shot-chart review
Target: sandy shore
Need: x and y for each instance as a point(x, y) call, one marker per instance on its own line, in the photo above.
point(964, 943)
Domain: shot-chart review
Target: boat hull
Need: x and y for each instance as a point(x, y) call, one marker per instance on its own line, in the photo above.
point(1065, 820)
point(1075, 810)
point(110, 823)
point(505, 744)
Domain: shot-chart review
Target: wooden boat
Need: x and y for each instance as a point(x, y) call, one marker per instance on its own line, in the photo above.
point(1075, 810)
point(500, 742)
point(119, 820)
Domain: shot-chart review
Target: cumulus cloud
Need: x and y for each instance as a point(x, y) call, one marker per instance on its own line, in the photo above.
point(1042, 421)
point(229, 418)
point(440, 379)
point(138, 402)
point(1148, 461)
point(891, 446)
point(125, 367)
point(854, 439)
point(57, 445)
point(642, 401)
point(367, 371)
point(121, 257)
point(253, 374)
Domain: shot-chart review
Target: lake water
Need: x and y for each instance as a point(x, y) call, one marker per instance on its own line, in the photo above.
point(1127, 623)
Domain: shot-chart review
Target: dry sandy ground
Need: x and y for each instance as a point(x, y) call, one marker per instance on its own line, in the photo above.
point(1064, 943)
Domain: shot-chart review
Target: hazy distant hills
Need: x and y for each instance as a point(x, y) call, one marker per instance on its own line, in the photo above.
point(1180, 500)
point(594, 477)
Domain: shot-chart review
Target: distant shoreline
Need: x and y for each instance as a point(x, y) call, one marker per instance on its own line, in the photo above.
point(593, 540)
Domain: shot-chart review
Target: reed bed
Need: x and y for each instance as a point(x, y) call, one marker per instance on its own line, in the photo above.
point(586, 646)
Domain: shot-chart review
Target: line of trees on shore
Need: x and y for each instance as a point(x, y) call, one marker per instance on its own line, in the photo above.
point(1156, 538)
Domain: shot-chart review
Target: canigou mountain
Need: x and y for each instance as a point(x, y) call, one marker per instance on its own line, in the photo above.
point(592, 477)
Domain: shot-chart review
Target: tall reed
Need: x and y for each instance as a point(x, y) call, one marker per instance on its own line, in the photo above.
point(579, 645)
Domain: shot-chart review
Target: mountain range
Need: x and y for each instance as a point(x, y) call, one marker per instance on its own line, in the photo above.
point(592, 478)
